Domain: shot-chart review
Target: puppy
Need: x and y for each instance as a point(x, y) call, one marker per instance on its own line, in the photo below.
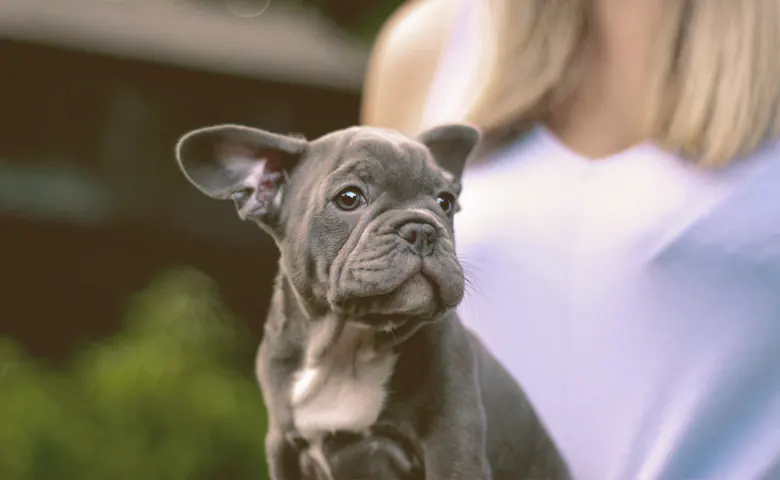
point(365, 368)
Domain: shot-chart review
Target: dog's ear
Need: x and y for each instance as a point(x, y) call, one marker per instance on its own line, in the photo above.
point(244, 164)
point(451, 145)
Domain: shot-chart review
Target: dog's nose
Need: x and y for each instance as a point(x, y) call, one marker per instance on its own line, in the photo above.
point(420, 236)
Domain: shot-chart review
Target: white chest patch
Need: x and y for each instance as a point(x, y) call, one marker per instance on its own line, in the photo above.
point(345, 391)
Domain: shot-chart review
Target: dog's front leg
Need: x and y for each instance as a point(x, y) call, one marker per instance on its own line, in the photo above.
point(282, 457)
point(455, 430)
point(455, 443)
point(454, 449)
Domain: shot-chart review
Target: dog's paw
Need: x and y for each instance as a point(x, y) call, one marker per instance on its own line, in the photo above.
point(359, 457)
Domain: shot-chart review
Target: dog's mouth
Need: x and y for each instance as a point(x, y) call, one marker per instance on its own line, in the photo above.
point(419, 297)
point(383, 323)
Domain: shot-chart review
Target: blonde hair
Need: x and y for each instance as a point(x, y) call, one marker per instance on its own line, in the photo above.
point(716, 87)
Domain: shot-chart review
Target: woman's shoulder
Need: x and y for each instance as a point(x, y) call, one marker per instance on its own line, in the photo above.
point(403, 62)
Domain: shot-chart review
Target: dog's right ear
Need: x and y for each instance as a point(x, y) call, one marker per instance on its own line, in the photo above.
point(247, 165)
point(451, 145)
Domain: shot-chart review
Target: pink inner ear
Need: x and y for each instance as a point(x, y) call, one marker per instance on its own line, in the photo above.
point(262, 171)
point(234, 154)
point(270, 179)
point(273, 163)
point(272, 175)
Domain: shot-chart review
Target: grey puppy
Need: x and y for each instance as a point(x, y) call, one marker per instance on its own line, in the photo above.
point(365, 368)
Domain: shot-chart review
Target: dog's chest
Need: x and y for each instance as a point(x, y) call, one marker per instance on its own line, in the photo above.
point(346, 391)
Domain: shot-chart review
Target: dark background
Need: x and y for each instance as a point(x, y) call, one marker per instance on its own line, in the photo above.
point(102, 238)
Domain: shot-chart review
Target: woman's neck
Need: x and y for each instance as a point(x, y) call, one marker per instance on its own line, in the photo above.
point(604, 115)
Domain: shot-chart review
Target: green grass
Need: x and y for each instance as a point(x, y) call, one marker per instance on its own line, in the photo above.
point(170, 397)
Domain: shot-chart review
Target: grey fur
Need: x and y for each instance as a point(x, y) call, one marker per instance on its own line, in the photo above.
point(387, 274)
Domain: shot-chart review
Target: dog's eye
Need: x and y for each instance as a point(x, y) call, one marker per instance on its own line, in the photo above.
point(349, 199)
point(446, 202)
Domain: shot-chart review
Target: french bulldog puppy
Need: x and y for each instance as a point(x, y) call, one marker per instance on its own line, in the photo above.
point(365, 368)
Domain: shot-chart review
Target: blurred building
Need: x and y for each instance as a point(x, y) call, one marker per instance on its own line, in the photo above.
point(94, 95)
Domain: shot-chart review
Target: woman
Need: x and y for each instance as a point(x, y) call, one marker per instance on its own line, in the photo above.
point(621, 227)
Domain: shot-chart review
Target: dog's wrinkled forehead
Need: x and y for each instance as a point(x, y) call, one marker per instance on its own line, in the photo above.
point(389, 160)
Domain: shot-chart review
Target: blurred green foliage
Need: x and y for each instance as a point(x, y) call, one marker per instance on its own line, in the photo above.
point(169, 397)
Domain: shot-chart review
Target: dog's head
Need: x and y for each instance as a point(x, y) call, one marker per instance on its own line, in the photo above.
point(362, 216)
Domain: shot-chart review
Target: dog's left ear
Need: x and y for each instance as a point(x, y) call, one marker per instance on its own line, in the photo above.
point(247, 165)
point(451, 145)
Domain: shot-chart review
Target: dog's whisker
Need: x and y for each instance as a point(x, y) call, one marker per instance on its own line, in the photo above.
point(470, 288)
point(472, 281)
point(474, 293)
point(468, 264)
point(472, 285)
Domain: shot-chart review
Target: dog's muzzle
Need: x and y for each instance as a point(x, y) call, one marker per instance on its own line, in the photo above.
point(401, 266)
